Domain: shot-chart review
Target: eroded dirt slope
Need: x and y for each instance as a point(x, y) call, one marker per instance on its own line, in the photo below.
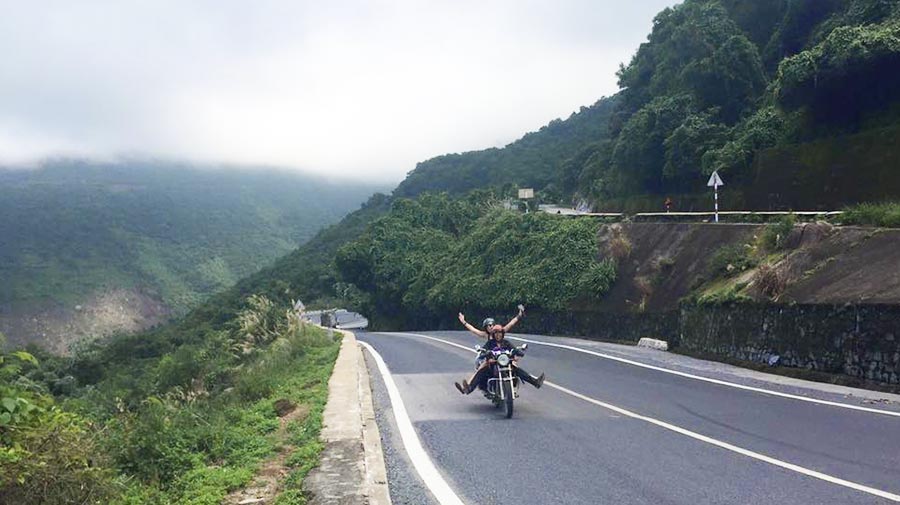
point(818, 264)
point(55, 327)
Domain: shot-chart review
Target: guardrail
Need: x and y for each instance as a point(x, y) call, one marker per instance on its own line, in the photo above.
point(728, 215)
point(829, 213)
point(735, 216)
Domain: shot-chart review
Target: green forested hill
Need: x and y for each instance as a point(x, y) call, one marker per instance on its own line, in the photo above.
point(534, 160)
point(71, 228)
point(716, 82)
point(719, 80)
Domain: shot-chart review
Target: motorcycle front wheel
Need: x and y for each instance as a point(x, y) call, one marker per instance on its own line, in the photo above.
point(508, 395)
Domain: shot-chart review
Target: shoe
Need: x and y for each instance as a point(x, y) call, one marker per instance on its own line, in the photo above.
point(466, 387)
point(539, 382)
point(460, 388)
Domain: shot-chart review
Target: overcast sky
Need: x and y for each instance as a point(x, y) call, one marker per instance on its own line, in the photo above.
point(349, 88)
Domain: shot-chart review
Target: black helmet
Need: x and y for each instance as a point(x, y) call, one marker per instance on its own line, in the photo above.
point(487, 323)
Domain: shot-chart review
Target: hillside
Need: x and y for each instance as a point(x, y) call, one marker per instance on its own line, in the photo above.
point(716, 83)
point(91, 248)
point(537, 159)
point(716, 86)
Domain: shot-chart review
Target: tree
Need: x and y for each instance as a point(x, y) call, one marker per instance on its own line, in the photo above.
point(639, 153)
point(685, 148)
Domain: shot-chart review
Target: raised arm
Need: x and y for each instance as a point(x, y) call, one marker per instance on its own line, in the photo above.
point(471, 328)
point(512, 322)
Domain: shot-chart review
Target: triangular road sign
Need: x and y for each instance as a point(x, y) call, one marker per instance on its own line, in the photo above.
point(715, 181)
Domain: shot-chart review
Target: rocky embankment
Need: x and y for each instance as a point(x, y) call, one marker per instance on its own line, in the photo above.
point(821, 297)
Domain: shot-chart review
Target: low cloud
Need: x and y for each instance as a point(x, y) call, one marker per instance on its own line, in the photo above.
point(358, 89)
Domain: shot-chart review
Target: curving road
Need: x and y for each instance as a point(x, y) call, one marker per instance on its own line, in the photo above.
point(603, 430)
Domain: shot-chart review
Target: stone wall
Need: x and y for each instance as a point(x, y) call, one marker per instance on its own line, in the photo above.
point(856, 340)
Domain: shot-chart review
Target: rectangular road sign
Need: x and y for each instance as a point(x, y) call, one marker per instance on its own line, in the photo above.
point(526, 193)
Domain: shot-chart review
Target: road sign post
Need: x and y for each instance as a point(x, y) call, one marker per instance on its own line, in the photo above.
point(714, 182)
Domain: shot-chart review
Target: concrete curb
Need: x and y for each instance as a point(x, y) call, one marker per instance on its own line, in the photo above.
point(351, 468)
point(376, 484)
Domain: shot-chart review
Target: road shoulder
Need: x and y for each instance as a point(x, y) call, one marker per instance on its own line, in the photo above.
point(351, 468)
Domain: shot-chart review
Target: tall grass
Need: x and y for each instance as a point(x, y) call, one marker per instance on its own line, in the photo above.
point(186, 426)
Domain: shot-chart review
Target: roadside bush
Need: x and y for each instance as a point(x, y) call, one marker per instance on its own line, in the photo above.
point(599, 278)
point(886, 214)
point(155, 442)
point(730, 260)
point(775, 235)
point(47, 456)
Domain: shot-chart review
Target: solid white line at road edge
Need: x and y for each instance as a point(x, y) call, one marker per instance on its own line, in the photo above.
point(703, 438)
point(420, 460)
point(707, 379)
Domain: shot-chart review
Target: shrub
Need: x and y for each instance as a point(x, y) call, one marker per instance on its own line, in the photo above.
point(599, 278)
point(153, 443)
point(730, 260)
point(774, 236)
point(46, 455)
point(885, 214)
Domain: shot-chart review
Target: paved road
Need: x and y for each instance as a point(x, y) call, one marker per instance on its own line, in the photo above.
point(559, 448)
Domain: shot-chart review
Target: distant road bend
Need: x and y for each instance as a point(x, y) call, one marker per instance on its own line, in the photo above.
point(607, 427)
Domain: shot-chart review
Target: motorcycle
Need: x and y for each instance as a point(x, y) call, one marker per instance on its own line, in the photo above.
point(502, 385)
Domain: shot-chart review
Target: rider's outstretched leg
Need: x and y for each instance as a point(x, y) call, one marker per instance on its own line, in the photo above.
point(527, 377)
point(468, 386)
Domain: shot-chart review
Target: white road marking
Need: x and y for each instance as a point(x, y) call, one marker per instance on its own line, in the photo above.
point(420, 460)
point(697, 436)
point(713, 381)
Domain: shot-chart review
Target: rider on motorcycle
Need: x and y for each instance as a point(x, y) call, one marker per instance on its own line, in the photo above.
point(495, 334)
point(488, 323)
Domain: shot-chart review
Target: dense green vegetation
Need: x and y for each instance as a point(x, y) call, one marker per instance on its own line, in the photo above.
point(532, 161)
point(716, 82)
point(435, 255)
point(179, 232)
point(719, 80)
point(875, 214)
point(183, 418)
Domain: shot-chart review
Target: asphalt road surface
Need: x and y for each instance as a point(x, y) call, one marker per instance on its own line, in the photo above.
point(604, 431)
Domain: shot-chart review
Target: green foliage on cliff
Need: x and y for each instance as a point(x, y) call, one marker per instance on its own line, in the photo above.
point(854, 70)
point(716, 82)
point(719, 80)
point(436, 255)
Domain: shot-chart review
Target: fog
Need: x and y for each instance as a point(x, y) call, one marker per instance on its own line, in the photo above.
point(346, 88)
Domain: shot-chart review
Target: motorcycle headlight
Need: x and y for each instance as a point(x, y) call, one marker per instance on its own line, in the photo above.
point(503, 360)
